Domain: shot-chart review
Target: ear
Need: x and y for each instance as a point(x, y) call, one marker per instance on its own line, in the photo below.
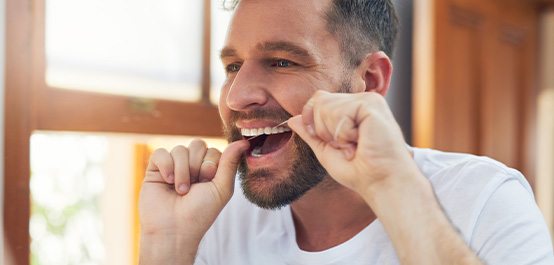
point(375, 71)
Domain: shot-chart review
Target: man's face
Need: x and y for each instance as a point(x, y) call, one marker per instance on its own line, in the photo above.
point(277, 54)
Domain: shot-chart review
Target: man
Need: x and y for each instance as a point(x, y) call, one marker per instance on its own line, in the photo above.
point(336, 184)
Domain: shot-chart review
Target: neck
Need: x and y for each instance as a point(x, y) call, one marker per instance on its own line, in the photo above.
point(328, 215)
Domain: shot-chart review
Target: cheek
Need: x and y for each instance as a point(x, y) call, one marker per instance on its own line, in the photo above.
point(294, 95)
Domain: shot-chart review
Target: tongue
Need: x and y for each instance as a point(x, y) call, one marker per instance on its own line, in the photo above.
point(275, 141)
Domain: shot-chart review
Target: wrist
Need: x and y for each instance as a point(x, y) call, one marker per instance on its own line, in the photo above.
point(167, 249)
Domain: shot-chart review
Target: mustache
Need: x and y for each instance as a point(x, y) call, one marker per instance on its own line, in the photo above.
point(232, 132)
point(273, 114)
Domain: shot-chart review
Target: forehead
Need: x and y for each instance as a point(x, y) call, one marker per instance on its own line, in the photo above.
point(257, 21)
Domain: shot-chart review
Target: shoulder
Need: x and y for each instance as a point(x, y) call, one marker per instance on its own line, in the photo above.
point(491, 205)
point(457, 174)
point(441, 167)
point(465, 183)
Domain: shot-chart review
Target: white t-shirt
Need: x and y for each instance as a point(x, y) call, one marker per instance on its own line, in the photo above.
point(492, 206)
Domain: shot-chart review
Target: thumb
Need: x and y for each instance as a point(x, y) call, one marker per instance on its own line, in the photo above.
point(297, 125)
point(225, 176)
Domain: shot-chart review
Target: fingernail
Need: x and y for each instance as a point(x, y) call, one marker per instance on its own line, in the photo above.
point(171, 178)
point(183, 188)
point(310, 129)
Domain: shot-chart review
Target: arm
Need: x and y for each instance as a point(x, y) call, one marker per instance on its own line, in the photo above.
point(167, 249)
point(420, 231)
point(357, 140)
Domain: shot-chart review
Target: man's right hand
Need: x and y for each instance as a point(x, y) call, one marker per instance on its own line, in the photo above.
point(183, 192)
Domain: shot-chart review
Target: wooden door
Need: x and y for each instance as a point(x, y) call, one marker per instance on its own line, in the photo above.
point(474, 78)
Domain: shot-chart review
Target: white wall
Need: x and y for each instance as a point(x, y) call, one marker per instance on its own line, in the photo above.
point(399, 95)
point(2, 51)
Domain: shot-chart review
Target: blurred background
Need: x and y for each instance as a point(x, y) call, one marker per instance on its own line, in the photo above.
point(88, 88)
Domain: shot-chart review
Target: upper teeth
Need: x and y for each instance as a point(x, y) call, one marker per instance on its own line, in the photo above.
point(266, 130)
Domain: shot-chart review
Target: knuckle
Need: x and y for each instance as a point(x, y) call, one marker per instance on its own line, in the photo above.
point(159, 152)
point(197, 142)
point(375, 98)
point(213, 153)
point(208, 170)
point(209, 165)
point(160, 158)
point(366, 98)
point(179, 149)
point(318, 95)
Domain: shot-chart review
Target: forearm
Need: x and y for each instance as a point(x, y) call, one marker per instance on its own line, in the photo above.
point(419, 229)
point(156, 249)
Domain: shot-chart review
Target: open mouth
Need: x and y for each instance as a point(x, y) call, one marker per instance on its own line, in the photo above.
point(266, 140)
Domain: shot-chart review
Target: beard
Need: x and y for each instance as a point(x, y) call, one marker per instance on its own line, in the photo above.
point(269, 189)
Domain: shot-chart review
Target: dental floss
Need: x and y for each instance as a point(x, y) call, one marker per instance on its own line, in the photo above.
point(282, 123)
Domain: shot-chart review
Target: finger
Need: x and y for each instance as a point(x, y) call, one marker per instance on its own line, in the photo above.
point(160, 161)
point(225, 176)
point(209, 165)
point(349, 152)
point(180, 156)
point(297, 125)
point(308, 116)
point(324, 155)
point(346, 131)
point(197, 151)
point(348, 149)
point(321, 125)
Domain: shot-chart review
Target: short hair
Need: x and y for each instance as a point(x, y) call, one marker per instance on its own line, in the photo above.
point(360, 26)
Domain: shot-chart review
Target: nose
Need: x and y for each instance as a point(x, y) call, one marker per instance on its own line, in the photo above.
point(248, 89)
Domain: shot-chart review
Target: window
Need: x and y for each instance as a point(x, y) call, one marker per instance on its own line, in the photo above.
point(78, 71)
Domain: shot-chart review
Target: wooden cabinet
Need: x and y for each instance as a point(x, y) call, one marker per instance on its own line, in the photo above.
point(475, 78)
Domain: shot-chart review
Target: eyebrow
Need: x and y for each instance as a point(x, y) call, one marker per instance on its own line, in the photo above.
point(228, 52)
point(271, 46)
point(283, 46)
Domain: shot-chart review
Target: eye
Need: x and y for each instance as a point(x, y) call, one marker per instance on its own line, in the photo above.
point(232, 68)
point(282, 63)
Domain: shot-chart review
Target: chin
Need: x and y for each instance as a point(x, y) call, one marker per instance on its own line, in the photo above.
point(267, 189)
point(276, 188)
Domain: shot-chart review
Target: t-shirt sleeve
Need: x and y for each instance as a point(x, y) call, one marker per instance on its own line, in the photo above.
point(200, 261)
point(510, 228)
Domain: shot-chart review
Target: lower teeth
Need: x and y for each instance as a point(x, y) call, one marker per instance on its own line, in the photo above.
point(257, 152)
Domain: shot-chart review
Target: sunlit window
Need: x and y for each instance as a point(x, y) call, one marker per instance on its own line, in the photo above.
point(67, 182)
point(137, 48)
